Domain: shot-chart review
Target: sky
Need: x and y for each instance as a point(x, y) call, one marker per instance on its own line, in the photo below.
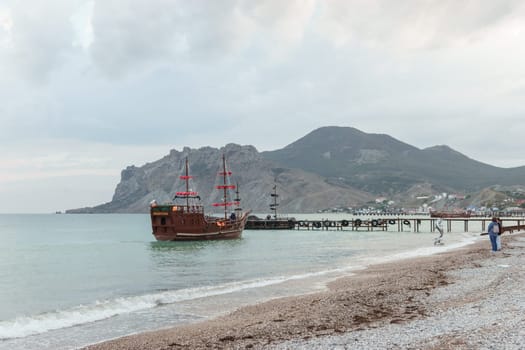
point(89, 87)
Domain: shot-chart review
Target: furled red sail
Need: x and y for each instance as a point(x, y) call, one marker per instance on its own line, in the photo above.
point(222, 187)
point(187, 193)
point(225, 204)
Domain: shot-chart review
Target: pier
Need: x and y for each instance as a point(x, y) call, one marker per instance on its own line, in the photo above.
point(400, 224)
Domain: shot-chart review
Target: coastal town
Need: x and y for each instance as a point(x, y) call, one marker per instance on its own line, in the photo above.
point(505, 203)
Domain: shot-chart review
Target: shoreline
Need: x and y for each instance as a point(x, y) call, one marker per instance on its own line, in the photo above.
point(396, 293)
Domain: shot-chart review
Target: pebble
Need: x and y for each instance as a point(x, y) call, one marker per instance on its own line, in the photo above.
point(483, 309)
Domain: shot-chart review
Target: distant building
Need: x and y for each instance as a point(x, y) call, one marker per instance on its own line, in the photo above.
point(514, 209)
point(456, 196)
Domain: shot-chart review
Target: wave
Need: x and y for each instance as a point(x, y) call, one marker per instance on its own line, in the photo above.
point(82, 314)
point(421, 252)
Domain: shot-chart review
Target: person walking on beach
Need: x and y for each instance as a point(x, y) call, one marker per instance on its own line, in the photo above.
point(493, 231)
point(439, 227)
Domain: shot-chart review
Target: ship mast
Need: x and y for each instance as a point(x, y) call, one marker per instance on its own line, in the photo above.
point(225, 191)
point(187, 178)
point(237, 199)
point(274, 205)
point(225, 187)
point(187, 194)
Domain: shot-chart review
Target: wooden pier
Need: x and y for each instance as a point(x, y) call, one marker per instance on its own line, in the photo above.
point(406, 224)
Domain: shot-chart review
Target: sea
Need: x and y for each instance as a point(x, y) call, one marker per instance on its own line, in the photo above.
point(69, 280)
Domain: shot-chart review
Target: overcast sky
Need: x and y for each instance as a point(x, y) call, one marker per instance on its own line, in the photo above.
point(90, 87)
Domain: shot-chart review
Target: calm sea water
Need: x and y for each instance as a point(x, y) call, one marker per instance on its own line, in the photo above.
point(72, 280)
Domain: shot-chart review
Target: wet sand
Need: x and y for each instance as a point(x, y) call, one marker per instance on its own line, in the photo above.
point(395, 293)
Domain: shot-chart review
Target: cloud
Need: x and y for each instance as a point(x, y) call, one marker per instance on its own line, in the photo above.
point(197, 72)
point(6, 25)
point(283, 25)
point(49, 158)
point(39, 37)
point(81, 22)
point(412, 24)
point(133, 36)
point(130, 35)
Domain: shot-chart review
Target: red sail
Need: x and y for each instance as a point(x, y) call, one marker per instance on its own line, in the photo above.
point(228, 173)
point(185, 177)
point(222, 187)
point(187, 193)
point(226, 204)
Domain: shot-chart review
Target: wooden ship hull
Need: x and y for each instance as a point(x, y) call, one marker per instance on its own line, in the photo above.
point(175, 223)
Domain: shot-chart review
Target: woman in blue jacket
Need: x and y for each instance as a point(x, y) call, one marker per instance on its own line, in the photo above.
point(494, 230)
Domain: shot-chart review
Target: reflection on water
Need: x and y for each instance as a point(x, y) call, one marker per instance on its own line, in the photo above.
point(183, 246)
point(195, 258)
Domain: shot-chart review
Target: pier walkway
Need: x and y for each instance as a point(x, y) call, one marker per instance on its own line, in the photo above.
point(407, 224)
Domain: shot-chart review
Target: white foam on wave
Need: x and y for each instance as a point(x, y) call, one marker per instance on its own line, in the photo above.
point(422, 251)
point(82, 314)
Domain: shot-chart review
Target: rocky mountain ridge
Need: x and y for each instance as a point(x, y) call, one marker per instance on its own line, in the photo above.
point(330, 167)
point(299, 191)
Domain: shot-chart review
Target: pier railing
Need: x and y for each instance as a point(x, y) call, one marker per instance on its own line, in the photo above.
point(408, 224)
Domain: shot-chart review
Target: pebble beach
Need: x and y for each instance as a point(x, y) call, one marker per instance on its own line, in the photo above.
point(467, 298)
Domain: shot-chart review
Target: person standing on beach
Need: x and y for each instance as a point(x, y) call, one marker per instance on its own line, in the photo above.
point(439, 227)
point(493, 231)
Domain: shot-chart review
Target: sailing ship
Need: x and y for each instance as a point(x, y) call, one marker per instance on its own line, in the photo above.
point(272, 222)
point(187, 221)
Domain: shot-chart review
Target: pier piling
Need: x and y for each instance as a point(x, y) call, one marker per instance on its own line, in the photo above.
point(402, 224)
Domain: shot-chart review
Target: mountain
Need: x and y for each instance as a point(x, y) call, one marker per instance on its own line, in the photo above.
point(380, 164)
point(329, 167)
point(299, 191)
